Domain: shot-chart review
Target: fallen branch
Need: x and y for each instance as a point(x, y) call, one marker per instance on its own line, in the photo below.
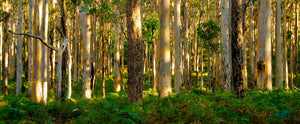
point(37, 37)
point(296, 88)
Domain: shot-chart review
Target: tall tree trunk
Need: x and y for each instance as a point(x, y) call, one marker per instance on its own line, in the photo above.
point(135, 51)
point(11, 46)
point(226, 47)
point(278, 47)
point(76, 47)
point(117, 86)
point(164, 79)
point(178, 53)
point(86, 30)
point(63, 13)
point(252, 47)
point(30, 51)
point(296, 42)
point(1, 48)
point(5, 52)
point(202, 53)
point(44, 34)
point(19, 50)
point(264, 78)
point(237, 46)
point(186, 47)
point(285, 64)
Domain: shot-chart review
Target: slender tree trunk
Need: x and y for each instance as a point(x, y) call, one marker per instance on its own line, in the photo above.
point(19, 50)
point(186, 47)
point(70, 73)
point(117, 86)
point(237, 46)
point(45, 51)
point(178, 53)
point(296, 42)
point(202, 54)
point(11, 46)
point(1, 48)
point(252, 47)
point(226, 47)
point(63, 13)
point(76, 47)
point(5, 52)
point(278, 47)
point(30, 50)
point(135, 51)
point(285, 64)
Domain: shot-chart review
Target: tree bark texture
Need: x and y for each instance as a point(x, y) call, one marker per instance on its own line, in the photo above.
point(135, 51)
point(19, 50)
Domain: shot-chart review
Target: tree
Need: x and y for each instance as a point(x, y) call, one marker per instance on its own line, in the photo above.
point(237, 46)
point(186, 58)
point(278, 47)
point(264, 67)
point(226, 47)
point(178, 59)
point(117, 86)
point(135, 51)
point(19, 50)
point(86, 31)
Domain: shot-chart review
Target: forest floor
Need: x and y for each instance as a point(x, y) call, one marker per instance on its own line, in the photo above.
point(195, 106)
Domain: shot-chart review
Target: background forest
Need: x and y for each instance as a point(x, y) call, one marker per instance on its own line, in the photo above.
point(149, 61)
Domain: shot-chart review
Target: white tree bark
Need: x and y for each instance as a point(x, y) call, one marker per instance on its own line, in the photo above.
point(264, 79)
point(226, 47)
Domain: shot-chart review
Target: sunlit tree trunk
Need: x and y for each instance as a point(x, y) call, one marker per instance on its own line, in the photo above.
point(164, 79)
point(285, 64)
point(135, 51)
point(264, 77)
point(19, 50)
point(202, 54)
point(226, 47)
point(278, 47)
point(237, 46)
point(117, 86)
point(178, 61)
point(44, 33)
point(86, 31)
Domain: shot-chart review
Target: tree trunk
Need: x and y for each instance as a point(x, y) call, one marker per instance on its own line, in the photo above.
point(19, 50)
point(11, 46)
point(226, 47)
point(30, 51)
point(76, 47)
point(186, 47)
point(237, 46)
point(296, 42)
point(178, 53)
point(264, 77)
point(5, 52)
point(45, 51)
point(86, 31)
point(117, 86)
point(285, 64)
point(252, 48)
point(63, 13)
point(164, 49)
point(135, 51)
point(278, 47)
point(202, 54)
point(1, 48)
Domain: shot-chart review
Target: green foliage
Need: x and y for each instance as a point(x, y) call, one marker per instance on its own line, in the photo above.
point(208, 30)
point(150, 28)
point(196, 106)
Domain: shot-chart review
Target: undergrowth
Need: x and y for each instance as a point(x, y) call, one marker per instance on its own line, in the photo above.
point(195, 106)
